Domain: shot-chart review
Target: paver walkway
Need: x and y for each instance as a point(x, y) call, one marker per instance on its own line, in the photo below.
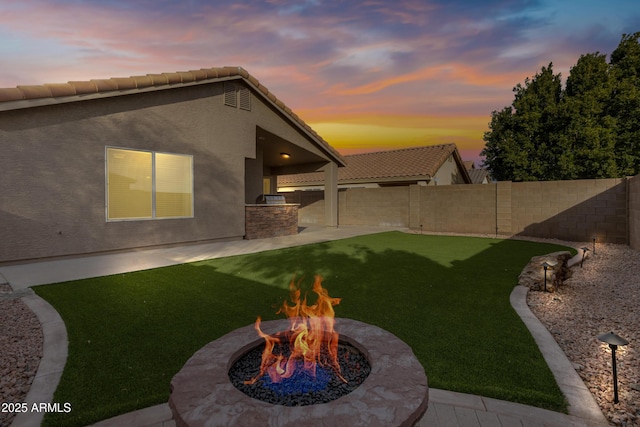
point(445, 408)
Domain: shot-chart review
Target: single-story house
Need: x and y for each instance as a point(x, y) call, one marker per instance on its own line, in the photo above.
point(477, 175)
point(161, 159)
point(424, 165)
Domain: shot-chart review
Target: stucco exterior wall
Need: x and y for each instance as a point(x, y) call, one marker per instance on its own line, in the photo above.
point(53, 163)
point(634, 212)
point(447, 174)
point(52, 184)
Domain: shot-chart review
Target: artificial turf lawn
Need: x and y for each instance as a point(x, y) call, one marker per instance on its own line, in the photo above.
point(447, 297)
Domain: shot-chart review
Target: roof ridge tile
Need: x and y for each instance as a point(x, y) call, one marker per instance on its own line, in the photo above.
point(404, 149)
point(143, 81)
point(125, 82)
point(83, 87)
point(105, 85)
point(35, 91)
point(11, 94)
point(61, 89)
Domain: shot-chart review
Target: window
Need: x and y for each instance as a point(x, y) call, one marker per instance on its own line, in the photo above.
point(148, 185)
point(266, 185)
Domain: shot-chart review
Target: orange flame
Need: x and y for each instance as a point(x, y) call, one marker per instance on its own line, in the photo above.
point(312, 339)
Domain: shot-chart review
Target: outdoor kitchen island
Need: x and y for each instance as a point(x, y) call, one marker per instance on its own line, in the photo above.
point(272, 217)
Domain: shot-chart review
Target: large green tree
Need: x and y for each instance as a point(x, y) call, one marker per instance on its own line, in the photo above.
point(587, 136)
point(624, 102)
point(520, 145)
point(589, 129)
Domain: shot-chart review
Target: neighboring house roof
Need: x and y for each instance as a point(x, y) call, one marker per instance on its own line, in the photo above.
point(73, 91)
point(478, 176)
point(469, 164)
point(408, 164)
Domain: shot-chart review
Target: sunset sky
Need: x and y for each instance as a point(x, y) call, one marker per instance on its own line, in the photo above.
point(365, 74)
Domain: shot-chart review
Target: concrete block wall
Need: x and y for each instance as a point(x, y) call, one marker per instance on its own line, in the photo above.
point(504, 208)
point(458, 208)
point(571, 210)
point(374, 206)
point(311, 204)
point(634, 212)
point(568, 210)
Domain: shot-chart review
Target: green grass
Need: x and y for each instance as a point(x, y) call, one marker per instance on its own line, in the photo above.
point(447, 297)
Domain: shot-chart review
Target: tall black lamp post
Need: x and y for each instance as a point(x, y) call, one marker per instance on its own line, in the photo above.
point(584, 253)
point(614, 341)
point(546, 266)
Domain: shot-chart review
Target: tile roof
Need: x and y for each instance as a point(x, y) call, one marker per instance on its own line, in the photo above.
point(417, 163)
point(478, 175)
point(55, 90)
point(26, 96)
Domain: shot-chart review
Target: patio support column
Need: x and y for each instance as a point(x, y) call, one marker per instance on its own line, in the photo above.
point(331, 194)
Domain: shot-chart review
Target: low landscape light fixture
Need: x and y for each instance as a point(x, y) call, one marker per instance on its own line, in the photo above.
point(614, 341)
point(420, 228)
point(594, 243)
point(285, 155)
point(546, 265)
point(584, 253)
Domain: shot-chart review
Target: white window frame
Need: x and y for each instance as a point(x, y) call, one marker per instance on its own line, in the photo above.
point(153, 185)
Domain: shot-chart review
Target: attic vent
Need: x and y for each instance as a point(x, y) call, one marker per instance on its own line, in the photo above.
point(245, 99)
point(230, 95)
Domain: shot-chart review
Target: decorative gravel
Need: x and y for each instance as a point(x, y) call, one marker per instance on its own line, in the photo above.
point(20, 351)
point(602, 296)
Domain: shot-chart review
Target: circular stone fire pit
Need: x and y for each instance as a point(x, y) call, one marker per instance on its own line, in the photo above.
point(394, 394)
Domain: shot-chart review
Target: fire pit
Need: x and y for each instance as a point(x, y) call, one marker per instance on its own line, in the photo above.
point(312, 369)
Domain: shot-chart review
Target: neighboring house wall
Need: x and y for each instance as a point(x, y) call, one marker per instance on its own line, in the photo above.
point(52, 183)
point(449, 173)
point(569, 210)
point(634, 212)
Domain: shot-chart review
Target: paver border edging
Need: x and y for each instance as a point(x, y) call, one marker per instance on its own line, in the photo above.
point(582, 404)
point(54, 357)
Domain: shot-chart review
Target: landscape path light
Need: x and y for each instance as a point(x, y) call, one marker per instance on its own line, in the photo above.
point(546, 265)
point(614, 341)
point(594, 243)
point(584, 253)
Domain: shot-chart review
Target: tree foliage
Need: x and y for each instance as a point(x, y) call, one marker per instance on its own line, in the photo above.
point(588, 129)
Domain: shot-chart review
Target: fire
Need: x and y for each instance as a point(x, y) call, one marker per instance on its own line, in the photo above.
point(311, 337)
